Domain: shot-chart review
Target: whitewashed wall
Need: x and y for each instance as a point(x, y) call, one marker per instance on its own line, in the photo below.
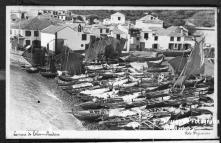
point(73, 38)
point(114, 18)
point(22, 33)
point(47, 38)
point(140, 24)
point(163, 41)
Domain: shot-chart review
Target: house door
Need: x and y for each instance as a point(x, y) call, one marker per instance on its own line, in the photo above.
point(118, 36)
point(170, 46)
point(142, 46)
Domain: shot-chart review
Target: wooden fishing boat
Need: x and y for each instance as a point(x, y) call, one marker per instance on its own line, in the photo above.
point(160, 69)
point(90, 115)
point(136, 104)
point(192, 112)
point(169, 103)
point(32, 70)
point(91, 105)
point(84, 97)
point(43, 69)
point(48, 74)
point(128, 90)
point(157, 94)
point(65, 78)
point(142, 59)
point(174, 53)
point(114, 122)
point(24, 66)
point(156, 63)
point(65, 83)
point(99, 103)
point(116, 105)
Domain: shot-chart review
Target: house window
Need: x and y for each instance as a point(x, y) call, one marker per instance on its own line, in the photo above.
point(118, 18)
point(156, 38)
point(171, 38)
point(82, 45)
point(84, 36)
point(100, 30)
point(146, 35)
point(27, 33)
point(36, 33)
point(118, 36)
point(155, 46)
point(27, 42)
point(178, 38)
point(107, 30)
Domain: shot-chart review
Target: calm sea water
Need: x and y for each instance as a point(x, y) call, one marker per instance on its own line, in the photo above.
point(26, 113)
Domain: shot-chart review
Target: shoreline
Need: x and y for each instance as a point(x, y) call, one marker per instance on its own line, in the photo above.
point(57, 94)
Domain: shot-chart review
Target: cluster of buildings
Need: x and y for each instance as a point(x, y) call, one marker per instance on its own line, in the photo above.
point(53, 29)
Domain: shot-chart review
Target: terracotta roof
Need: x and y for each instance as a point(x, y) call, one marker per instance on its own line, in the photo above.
point(36, 23)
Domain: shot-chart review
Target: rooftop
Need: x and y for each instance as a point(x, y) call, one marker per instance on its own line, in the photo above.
point(37, 23)
point(117, 13)
point(117, 31)
point(170, 31)
point(147, 19)
point(54, 28)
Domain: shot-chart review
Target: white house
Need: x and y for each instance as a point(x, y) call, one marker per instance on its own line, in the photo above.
point(117, 18)
point(160, 38)
point(30, 29)
point(62, 16)
point(74, 38)
point(148, 21)
point(106, 21)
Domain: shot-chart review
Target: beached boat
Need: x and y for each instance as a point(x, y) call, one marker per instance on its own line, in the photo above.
point(52, 72)
point(90, 115)
point(32, 70)
point(65, 83)
point(157, 94)
point(160, 69)
point(192, 112)
point(156, 63)
point(135, 103)
point(114, 122)
point(92, 105)
point(174, 53)
point(48, 74)
point(65, 78)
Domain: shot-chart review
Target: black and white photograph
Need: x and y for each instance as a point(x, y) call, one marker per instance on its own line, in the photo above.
point(92, 72)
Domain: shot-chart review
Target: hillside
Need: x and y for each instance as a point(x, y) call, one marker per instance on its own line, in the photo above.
point(170, 17)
